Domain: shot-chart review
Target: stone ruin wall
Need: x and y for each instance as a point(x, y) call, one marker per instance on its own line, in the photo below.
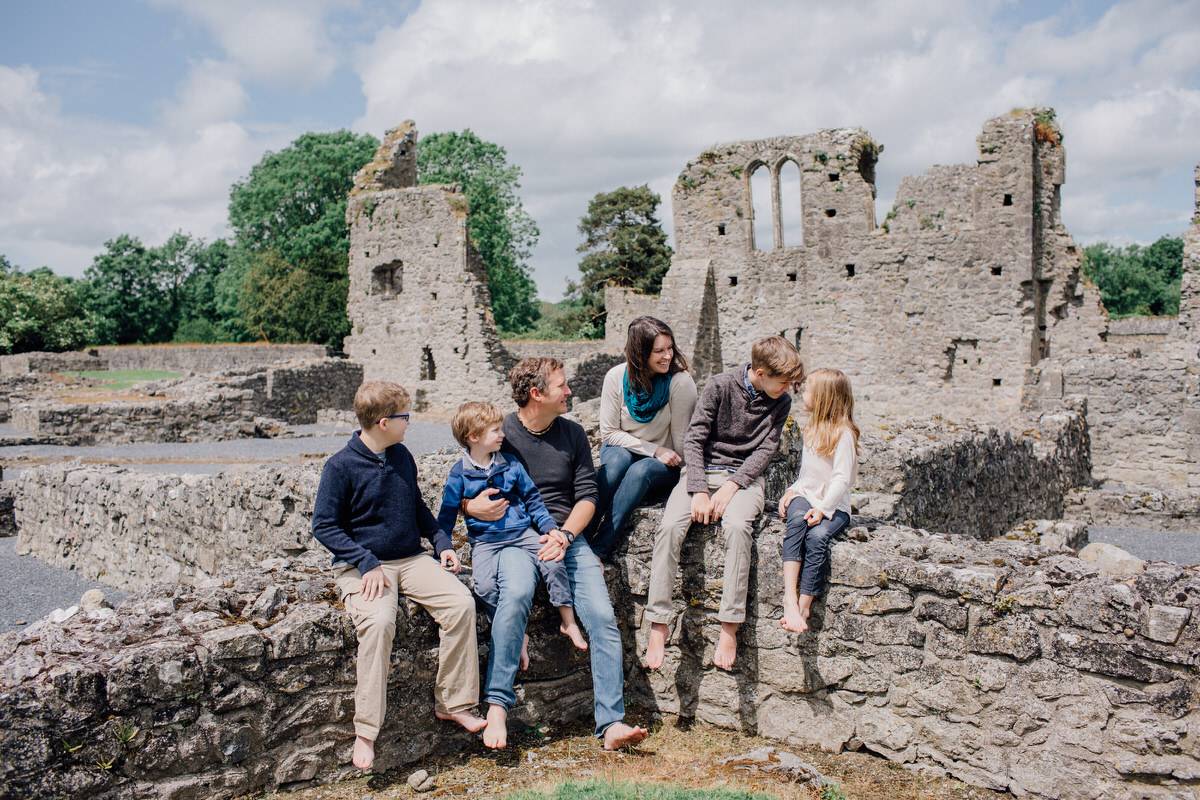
point(1005, 664)
point(129, 529)
point(419, 305)
point(207, 358)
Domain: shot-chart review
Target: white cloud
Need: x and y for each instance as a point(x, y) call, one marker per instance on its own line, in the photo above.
point(67, 184)
point(279, 41)
point(589, 96)
point(212, 93)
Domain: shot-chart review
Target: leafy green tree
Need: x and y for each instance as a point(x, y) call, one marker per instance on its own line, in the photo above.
point(500, 228)
point(624, 244)
point(1136, 280)
point(289, 216)
point(41, 311)
point(130, 297)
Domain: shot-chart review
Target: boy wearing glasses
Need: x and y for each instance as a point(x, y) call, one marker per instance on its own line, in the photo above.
point(369, 513)
point(478, 427)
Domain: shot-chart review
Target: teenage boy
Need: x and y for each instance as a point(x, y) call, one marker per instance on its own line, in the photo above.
point(369, 513)
point(733, 434)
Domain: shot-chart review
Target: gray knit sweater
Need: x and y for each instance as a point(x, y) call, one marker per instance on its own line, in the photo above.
point(733, 430)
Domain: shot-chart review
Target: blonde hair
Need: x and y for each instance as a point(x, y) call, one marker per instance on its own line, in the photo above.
point(472, 419)
point(375, 400)
point(832, 410)
point(777, 357)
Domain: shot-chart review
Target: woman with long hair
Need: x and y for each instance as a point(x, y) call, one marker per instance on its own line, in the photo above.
point(645, 408)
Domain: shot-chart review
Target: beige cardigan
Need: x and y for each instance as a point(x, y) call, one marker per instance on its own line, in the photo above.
point(666, 429)
point(826, 482)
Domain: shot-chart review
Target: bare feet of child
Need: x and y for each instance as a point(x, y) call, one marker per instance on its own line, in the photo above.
point(495, 735)
point(656, 645)
point(570, 628)
point(524, 662)
point(620, 735)
point(364, 753)
point(793, 620)
point(472, 723)
point(726, 653)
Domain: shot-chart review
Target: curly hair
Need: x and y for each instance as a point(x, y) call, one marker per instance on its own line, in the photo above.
point(529, 374)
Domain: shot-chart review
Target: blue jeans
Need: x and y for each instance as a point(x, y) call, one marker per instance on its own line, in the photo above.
point(517, 578)
point(811, 546)
point(625, 479)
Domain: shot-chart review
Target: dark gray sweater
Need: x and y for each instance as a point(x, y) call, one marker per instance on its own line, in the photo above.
point(734, 430)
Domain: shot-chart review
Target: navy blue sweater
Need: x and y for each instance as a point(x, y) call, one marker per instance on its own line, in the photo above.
point(525, 506)
point(370, 510)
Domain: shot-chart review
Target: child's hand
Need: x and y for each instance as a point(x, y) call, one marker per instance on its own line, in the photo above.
point(784, 502)
point(450, 561)
point(701, 508)
point(668, 456)
point(721, 499)
point(374, 583)
point(813, 517)
point(554, 546)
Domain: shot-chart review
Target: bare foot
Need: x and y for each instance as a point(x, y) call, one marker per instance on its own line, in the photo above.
point(793, 620)
point(620, 735)
point(364, 753)
point(573, 633)
point(472, 723)
point(524, 662)
point(495, 735)
point(726, 652)
point(656, 645)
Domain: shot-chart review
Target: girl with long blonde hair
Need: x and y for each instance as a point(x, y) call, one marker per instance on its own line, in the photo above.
point(817, 505)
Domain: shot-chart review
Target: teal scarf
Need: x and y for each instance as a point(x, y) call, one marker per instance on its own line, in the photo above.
point(642, 407)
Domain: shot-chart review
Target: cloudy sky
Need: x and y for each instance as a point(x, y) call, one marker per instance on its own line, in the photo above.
point(136, 117)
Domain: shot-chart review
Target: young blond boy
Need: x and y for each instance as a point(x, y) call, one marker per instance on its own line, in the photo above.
point(369, 513)
point(734, 431)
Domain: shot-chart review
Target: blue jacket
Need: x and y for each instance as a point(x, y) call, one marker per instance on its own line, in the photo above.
point(524, 502)
point(370, 510)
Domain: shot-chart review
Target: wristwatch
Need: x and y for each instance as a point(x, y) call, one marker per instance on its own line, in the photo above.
point(570, 536)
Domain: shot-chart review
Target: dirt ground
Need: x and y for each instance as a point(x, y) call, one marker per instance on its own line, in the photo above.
point(681, 755)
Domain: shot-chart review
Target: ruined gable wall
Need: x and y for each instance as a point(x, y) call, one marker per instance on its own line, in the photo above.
point(419, 305)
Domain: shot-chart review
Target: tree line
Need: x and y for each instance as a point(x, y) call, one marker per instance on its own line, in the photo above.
point(281, 276)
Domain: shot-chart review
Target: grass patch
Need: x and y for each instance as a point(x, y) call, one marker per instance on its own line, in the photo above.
point(603, 790)
point(120, 379)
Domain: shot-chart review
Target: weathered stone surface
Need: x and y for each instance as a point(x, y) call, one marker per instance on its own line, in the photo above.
point(1112, 560)
point(1165, 623)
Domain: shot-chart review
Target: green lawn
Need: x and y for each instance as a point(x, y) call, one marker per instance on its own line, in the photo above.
point(600, 790)
point(119, 379)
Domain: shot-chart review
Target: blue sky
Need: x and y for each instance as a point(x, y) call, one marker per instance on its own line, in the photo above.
point(135, 117)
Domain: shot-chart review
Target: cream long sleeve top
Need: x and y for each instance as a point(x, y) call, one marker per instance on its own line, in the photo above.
point(665, 429)
point(825, 482)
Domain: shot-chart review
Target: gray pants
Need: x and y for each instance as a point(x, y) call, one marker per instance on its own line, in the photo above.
point(485, 558)
point(738, 526)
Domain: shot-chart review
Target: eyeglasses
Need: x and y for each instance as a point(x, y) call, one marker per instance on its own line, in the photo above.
point(404, 416)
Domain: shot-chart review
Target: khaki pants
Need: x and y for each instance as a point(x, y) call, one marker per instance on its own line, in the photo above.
point(738, 525)
point(423, 580)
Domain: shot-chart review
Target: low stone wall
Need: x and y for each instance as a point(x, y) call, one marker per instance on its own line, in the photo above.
point(39, 362)
point(241, 686)
point(208, 416)
point(296, 392)
point(568, 350)
point(587, 375)
point(206, 358)
point(8, 497)
point(1135, 507)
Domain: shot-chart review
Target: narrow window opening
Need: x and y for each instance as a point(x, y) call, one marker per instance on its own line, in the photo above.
point(721, 229)
point(1008, 199)
point(387, 280)
point(762, 224)
point(997, 270)
point(791, 209)
point(799, 333)
point(733, 280)
point(831, 212)
point(428, 368)
point(849, 270)
point(434, 295)
point(995, 381)
point(1070, 248)
point(791, 277)
point(833, 176)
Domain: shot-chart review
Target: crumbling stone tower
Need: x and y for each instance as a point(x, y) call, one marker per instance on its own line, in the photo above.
point(419, 305)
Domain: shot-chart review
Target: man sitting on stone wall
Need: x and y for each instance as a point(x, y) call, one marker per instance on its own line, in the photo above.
point(555, 453)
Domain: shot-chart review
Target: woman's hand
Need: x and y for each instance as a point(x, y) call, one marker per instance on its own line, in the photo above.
point(814, 517)
point(483, 507)
point(668, 456)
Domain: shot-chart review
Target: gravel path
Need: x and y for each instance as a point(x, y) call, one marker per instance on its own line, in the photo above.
point(30, 589)
point(1151, 545)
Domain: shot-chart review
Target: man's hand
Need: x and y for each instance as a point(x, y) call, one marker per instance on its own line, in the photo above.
point(668, 456)
point(554, 546)
point(374, 583)
point(483, 507)
point(721, 499)
point(784, 502)
point(701, 508)
point(450, 561)
point(813, 517)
